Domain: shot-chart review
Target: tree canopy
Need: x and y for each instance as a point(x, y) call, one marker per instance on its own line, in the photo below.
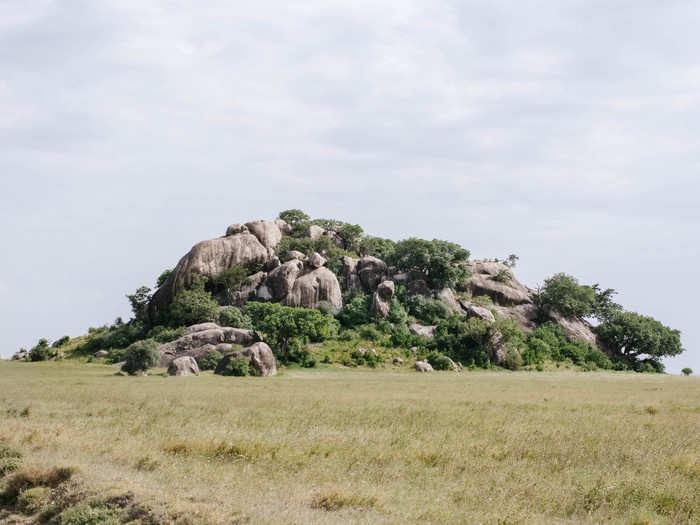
point(630, 335)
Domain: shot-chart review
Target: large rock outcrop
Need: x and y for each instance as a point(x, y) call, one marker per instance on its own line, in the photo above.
point(313, 287)
point(268, 233)
point(261, 358)
point(381, 300)
point(196, 337)
point(209, 259)
point(484, 281)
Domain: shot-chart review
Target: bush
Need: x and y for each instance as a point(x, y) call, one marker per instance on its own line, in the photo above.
point(60, 342)
point(236, 366)
point(165, 274)
point(464, 340)
point(287, 329)
point(369, 332)
point(32, 500)
point(94, 513)
point(376, 247)
point(230, 281)
point(439, 361)
point(429, 311)
point(41, 352)
point(141, 356)
point(235, 318)
point(687, 371)
point(210, 360)
point(10, 460)
point(192, 306)
point(513, 360)
point(536, 351)
point(356, 311)
point(398, 316)
point(163, 334)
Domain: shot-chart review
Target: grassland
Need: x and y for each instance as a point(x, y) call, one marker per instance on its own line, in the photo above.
point(368, 446)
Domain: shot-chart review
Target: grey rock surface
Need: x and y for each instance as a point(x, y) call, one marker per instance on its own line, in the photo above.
point(183, 366)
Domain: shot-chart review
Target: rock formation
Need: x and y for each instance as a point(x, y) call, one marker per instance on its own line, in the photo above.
point(183, 366)
point(261, 358)
point(381, 300)
point(199, 339)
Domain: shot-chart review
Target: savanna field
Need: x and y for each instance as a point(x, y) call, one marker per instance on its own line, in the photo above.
point(332, 445)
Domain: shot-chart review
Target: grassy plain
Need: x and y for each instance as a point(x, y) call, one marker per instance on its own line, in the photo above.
point(368, 446)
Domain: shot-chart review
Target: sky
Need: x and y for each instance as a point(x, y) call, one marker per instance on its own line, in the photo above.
point(566, 132)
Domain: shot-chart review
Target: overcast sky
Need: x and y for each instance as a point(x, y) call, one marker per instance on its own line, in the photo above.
point(566, 132)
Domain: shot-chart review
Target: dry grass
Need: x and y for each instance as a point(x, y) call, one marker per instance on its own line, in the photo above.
point(369, 446)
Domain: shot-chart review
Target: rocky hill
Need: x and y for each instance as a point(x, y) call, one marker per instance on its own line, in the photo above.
point(307, 291)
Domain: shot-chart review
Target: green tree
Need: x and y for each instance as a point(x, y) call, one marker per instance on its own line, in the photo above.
point(140, 356)
point(629, 336)
point(191, 306)
point(231, 280)
point(563, 293)
point(293, 217)
point(439, 261)
point(41, 351)
point(235, 318)
point(139, 302)
point(376, 247)
point(687, 371)
point(163, 277)
point(288, 329)
point(356, 311)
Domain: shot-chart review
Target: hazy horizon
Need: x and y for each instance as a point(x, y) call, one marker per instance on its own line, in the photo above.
point(565, 133)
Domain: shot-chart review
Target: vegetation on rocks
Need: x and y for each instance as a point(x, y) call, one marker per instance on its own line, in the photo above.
point(299, 281)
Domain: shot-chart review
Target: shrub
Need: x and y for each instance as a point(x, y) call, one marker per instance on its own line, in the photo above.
point(236, 366)
point(430, 311)
point(502, 277)
point(369, 332)
point(235, 318)
point(41, 352)
point(60, 342)
point(294, 217)
point(32, 500)
point(398, 316)
point(513, 360)
point(288, 329)
point(439, 361)
point(192, 306)
point(165, 274)
point(536, 351)
point(141, 356)
point(116, 355)
point(230, 280)
point(10, 460)
point(687, 371)
point(209, 360)
point(356, 311)
point(163, 334)
point(465, 340)
point(92, 513)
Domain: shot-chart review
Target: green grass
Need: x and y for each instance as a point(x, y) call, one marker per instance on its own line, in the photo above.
point(330, 445)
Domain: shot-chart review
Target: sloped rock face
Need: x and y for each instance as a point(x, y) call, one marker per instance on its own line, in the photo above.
point(183, 366)
point(350, 278)
point(381, 300)
point(268, 233)
point(574, 328)
point(208, 258)
point(280, 281)
point(482, 282)
point(371, 272)
point(473, 310)
point(309, 289)
point(197, 336)
point(260, 356)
